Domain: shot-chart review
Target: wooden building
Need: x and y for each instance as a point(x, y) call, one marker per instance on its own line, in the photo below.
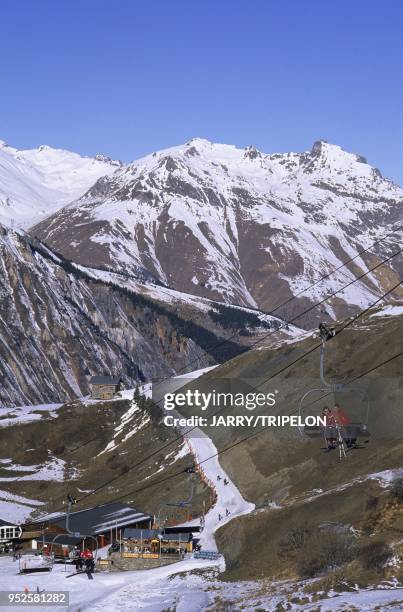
point(9, 532)
point(156, 541)
point(104, 387)
point(104, 523)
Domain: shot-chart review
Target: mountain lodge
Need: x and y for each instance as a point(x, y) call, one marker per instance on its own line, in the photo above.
point(105, 523)
point(104, 387)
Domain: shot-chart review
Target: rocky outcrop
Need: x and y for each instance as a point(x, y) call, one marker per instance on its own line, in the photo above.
point(61, 323)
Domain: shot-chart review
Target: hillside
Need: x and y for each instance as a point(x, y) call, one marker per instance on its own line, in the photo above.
point(294, 484)
point(239, 225)
point(81, 445)
point(65, 323)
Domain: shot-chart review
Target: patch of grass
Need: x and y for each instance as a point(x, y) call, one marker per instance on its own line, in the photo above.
point(325, 550)
point(374, 555)
point(316, 551)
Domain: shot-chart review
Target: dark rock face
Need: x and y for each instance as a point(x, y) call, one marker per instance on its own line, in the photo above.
point(59, 325)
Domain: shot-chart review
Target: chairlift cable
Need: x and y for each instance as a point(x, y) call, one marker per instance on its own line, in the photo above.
point(362, 313)
point(234, 444)
point(265, 336)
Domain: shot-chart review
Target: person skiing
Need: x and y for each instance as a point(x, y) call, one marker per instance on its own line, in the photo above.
point(225, 481)
point(227, 512)
point(218, 477)
point(219, 517)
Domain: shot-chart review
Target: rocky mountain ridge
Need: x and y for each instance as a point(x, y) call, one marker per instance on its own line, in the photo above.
point(61, 323)
point(238, 225)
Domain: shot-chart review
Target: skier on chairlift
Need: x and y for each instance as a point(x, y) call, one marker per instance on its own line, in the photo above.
point(330, 429)
point(88, 559)
point(344, 422)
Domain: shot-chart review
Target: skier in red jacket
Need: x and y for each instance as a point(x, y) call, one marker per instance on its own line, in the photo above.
point(347, 429)
point(88, 559)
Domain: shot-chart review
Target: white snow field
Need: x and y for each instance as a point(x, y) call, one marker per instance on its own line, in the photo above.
point(37, 182)
point(24, 414)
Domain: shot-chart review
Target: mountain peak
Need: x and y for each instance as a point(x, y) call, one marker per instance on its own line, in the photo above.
point(197, 141)
point(324, 149)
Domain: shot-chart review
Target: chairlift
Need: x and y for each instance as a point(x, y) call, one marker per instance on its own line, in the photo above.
point(185, 503)
point(35, 563)
point(353, 400)
point(76, 534)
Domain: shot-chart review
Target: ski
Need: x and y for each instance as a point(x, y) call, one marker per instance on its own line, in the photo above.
point(89, 574)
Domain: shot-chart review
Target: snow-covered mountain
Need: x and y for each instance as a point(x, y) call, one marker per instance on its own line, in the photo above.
point(38, 182)
point(61, 323)
point(238, 225)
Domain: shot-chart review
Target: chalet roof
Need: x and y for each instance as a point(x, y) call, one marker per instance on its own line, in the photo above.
point(141, 534)
point(176, 537)
point(148, 534)
point(104, 380)
point(99, 519)
point(182, 529)
point(7, 523)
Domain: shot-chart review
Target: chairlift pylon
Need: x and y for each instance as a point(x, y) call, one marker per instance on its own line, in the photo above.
point(185, 503)
point(75, 534)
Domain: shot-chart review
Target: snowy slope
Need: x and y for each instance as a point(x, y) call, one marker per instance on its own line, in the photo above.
point(37, 182)
point(60, 323)
point(229, 501)
point(236, 224)
point(142, 589)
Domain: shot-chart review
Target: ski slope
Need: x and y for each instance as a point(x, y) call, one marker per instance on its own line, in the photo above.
point(181, 586)
point(228, 496)
point(147, 589)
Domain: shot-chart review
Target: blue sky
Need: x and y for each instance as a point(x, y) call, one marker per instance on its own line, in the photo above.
point(126, 77)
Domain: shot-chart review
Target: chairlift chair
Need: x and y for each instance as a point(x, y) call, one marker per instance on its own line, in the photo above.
point(76, 534)
point(185, 503)
point(358, 427)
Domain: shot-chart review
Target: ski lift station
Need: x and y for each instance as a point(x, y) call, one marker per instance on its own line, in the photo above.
point(132, 542)
point(91, 528)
